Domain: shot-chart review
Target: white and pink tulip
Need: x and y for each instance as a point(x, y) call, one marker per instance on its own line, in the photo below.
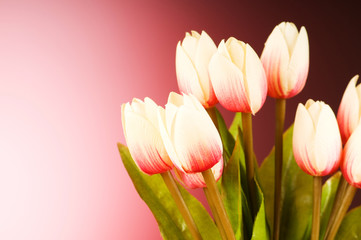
point(317, 143)
point(351, 159)
point(189, 135)
point(141, 131)
point(238, 77)
point(349, 112)
point(285, 58)
point(192, 59)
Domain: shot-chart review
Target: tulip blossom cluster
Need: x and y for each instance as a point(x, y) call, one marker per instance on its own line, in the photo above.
point(181, 135)
point(184, 140)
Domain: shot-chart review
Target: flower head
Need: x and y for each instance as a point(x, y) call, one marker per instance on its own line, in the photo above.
point(349, 112)
point(316, 139)
point(238, 77)
point(192, 59)
point(285, 59)
point(189, 135)
point(141, 131)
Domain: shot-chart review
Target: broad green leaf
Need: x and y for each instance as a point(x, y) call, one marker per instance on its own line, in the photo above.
point(155, 194)
point(297, 190)
point(328, 196)
point(351, 226)
point(260, 228)
point(227, 139)
point(231, 191)
point(236, 123)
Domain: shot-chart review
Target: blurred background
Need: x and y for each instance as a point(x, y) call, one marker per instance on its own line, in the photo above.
point(67, 66)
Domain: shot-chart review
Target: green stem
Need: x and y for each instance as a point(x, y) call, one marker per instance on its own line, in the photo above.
point(216, 199)
point(342, 185)
point(215, 214)
point(173, 189)
point(348, 196)
point(317, 194)
point(248, 150)
point(280, 120)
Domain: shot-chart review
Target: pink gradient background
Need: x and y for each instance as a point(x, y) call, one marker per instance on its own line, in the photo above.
point(65, 69)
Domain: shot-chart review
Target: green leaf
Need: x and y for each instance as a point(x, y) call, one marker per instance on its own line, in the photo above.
point(328, 196)
point(297, 190)
point(231, 190)
point(155, 194)
point(260, 228)
point(227, 139)
point(351, 226)
point(236, 123)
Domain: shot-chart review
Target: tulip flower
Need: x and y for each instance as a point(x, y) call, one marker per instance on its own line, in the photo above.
point(238, 77)
point(192, 59)
point(349, 112)
point(141, 131)
point(317, 143)
point(351, 159)
point(196, 180)
point(285, 59)
point(189, 135)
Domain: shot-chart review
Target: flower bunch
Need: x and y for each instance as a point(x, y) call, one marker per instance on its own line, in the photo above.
point(188, 142)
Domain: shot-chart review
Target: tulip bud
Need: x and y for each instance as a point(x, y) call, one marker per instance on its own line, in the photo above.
point(189, 135)
point(351, 159)
point(192, 59)
point(316, 139)
point(238, 77)
point(349, 112)
point(141, 131)
point(196, 180)
point(285, 59)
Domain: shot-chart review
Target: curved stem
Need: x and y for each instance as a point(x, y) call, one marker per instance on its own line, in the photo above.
point(317, 194)
point(216, 199)
point(280, 120)
point(248, 150)
point(342, 185)
point(173, 189)
point(215, 214)
point(348, 196)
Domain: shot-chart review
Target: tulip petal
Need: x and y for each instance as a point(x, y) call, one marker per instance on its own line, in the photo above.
point(145, 144)
point(290, 34)
point(303, 138)
point(190, 44)
point(206, 49)
point(256, 82)
point(348, 115)
point(298, 67)
point(351, 163)
point(228, 83)
point(237, 52)
point(275, 58)
point(187, 76)
point(328, 146)
point(198, 145)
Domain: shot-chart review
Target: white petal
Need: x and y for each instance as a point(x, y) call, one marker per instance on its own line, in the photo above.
point(187, 76)
point(256, 82)
point(290, 34)
point(175, 99)
point(151, 111)
point(299, 63)
point(275, 58)
point(303, 138)
point(314, 111)
point(189, 44)
point(206, 49)
point(228, 84)
point(237, 52)
point(328, 144)
point(351, 165)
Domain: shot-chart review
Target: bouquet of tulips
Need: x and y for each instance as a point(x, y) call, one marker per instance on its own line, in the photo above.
point(187, 145)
